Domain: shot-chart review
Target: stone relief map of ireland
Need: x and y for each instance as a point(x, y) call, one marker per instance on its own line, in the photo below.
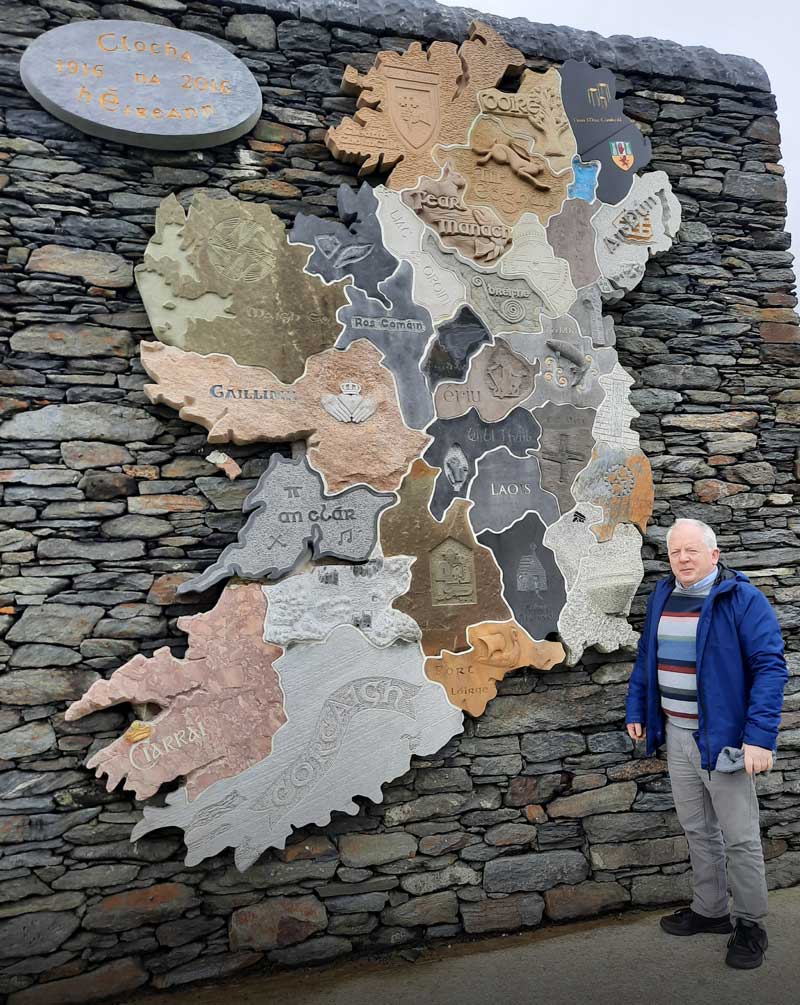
point(465, 495)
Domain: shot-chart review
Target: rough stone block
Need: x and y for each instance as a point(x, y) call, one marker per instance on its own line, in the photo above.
point(586, 899)
point(277, 922)
point(359, 850)
point(534, 872)
point(506, 914)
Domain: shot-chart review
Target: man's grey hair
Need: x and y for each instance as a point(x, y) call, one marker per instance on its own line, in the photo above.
point(709, 537)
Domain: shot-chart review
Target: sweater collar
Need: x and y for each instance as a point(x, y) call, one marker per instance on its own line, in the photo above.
point(702, 585)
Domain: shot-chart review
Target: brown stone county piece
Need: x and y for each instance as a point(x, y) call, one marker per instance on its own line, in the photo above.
point(345, 405)
point(410, 101)
point(220, 706)
point(223, 278)
point(498, 380)
point(496, 648)
point(476, 231)
point(571, 237)
point(455, 582)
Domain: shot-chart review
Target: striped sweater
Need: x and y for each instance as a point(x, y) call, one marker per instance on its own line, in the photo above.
point(677, 666)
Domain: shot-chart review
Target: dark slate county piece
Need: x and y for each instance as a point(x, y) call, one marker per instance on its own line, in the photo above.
point(458, 443)
point(533, 586)
point(287, 511)
point(597, 119)
point(163, 89)
point(353, 247)
point(505, 488)
point(566, 447)
point(401, 332)
point(456, 343)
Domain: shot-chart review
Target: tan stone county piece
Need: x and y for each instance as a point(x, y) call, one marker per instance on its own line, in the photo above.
point(345, 405)
point(496, 649)
point(220, 705)
point(536, 110)
point(223, 278)
point(409, 101)
point(504, 172)
point(455, 582)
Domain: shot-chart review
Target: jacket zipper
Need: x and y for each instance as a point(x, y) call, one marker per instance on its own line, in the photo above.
point(699, 689)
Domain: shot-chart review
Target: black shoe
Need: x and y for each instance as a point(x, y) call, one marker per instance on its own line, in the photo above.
point(747, 946)
point(688, 922)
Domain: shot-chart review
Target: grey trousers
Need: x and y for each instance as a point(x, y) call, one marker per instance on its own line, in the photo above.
point(720, 818)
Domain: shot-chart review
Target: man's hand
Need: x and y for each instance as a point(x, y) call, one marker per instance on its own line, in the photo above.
point(636, 731)
point(756, 759)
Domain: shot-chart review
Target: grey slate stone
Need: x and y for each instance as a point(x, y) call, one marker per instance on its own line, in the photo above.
point(86, 421)
point(533, 584)
point(353, 247)
point(66, 624)
point(459, 443)
point(46, 931)
point(534, 872)
point(428, 19)
point(402, 344)
point(268, 547)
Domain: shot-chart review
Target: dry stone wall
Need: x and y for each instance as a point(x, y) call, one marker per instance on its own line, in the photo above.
point(541, 810)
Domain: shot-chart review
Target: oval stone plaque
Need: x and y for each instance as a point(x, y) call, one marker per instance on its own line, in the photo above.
point(142, 84)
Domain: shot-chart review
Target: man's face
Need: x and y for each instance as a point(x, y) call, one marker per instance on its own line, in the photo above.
point(690, 558)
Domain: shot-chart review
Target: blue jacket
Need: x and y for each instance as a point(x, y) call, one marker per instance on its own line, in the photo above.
point(741, 670)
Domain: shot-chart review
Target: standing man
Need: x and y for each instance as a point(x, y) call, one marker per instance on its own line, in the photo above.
point(709, 679)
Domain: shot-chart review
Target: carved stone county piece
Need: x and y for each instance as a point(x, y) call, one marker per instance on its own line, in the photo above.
point(505, 488)
point(569, 366)
point(454, 582)
point(355, 713)
point(286, 512)
point(224, 279)
point(535, 110)
point(221, 704)
point(622, 483)
point(533, 586)
point(498, 380)
point(439, 291)
point(306, 608)
point(455, 344)
point(353, 247)
point(603, 132)
point(504, 303)
point(532, 257)
point(345, 405)
point(474, 231)
point(571, 237)
point(496, 649)
point(596, 610)
point(642, 225)
point(612, 425)
point(588, 312)
point(401, 332)
point(571, 537)
point(566, 448)
point(458, 443)
point(412, 100)
point(140, 84)
point(504, 172)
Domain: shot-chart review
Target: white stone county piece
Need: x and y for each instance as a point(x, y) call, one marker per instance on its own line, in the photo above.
point(356, 714)
point(643, 224)
point(308, 607)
